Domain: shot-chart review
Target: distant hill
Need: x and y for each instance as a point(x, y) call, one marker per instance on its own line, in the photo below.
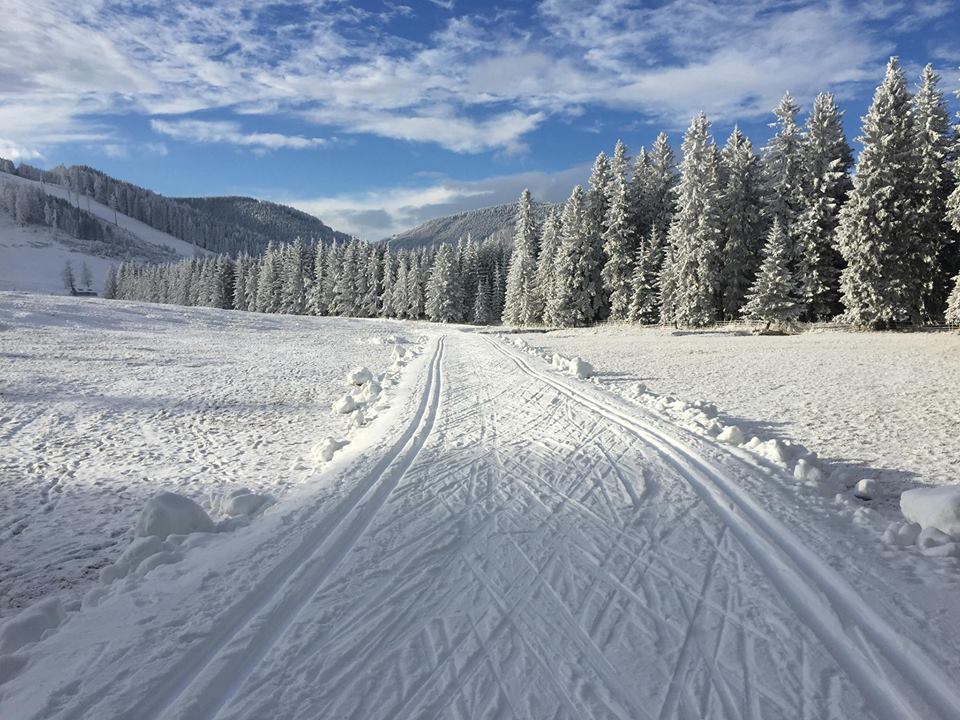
point(279, 222)
point(496, 221)
point(229, 225)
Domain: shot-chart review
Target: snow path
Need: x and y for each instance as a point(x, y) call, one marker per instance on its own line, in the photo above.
point(526, 547)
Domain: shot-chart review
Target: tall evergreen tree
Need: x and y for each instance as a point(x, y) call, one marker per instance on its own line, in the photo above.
point(663, 180)
point(315, 295)
point(783, 168)
point(293, 299)
point(934, 185)
point(619, 248)
point(696, 234)
point(773, 297)
point(522, 300)
point(482, 312)
point(878, 232)
point(594, 222)
point(571, 299)
point(953, 303)
point(549, 239)
point(443, 288)
point(827, 161)
point(741, 202)
point(645, 283)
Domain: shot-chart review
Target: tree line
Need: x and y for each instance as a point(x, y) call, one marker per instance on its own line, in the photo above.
point(777, 235)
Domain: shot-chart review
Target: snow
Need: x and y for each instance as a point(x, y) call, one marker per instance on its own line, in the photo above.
point(30, 625)
point(32, 258)
point(359, 376)
point(498, 538)
point(167, 513)
point(880, 405)
point(866, 489)
point(105, 403)
point(937, 508)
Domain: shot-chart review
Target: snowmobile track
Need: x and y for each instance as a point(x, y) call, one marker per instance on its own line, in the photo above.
point(827, 604)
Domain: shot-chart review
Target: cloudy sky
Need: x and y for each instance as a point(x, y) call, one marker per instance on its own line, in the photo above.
point(378, 115)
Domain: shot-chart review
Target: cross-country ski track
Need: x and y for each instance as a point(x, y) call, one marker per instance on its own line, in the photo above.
point(522, 545)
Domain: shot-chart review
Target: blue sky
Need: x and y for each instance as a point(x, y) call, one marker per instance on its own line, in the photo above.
point(378, 115)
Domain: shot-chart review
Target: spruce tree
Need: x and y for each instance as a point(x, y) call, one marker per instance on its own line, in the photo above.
point(662, 189)
point(549, 239)
point(618, 170)
point(522, 300)
point(443, 288)
point(370, 303)
point(953, 303)
point(645, 283)
point(783, 170)
point(315, 299)
point(827, 162)
point(482, 313)
point(741, 200)
point(388, 283)
point(934, 185)
point(293, 299)
point(572, 295)
point(594, 223)
point(878, 231)
point(619, 248)
point(416, 280)
point(399, 303)
point(773, 297)
point(692, 277)
point(110, 283)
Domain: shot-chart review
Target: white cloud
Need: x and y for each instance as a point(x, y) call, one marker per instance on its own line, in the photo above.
point(10, 150)
point(216, 131)
point(380, 213)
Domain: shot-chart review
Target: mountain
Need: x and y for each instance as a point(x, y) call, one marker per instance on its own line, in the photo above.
point(278, 222)
point(494, 221)
point(230, 225)
point(43, 226)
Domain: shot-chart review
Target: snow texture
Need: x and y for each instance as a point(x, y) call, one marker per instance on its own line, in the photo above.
point(167, 513)
point(937, 508)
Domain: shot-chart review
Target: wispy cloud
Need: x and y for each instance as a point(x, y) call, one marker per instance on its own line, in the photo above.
point(473, 83)
point(226, 131)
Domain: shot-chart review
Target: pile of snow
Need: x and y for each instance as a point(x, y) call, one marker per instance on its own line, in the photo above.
point(140, 557)
point(935, 507)
point(242, 502)
point(324, 450)
point(168, 514)
point(31, 625)
point(866, 489)
point(359, 376)
point(575, 366)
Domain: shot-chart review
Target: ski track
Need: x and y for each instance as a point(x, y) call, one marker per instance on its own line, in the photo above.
point(526, 549)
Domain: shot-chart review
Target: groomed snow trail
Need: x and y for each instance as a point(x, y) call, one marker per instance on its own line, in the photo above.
point(527, 549)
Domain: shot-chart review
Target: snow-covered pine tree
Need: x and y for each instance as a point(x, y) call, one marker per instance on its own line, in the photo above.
point(827, 159)
point(497, 288)
point(783, 170)
point(315, 303)
point(619, 166)
point(469, 263)
point(692, 278)
point(416, 282)
point(399, 302)
point(443, 288)
point(619, 248)
point(332, 270)
point(481, 313)
point(293, 299)
point(645, 282)
point(773, 298)
point(370, 304)
point(741, 202)
point(571, 298)
point(345, 293)
point(239, 300)
point(953, 303)
point(549, 238)
point(663, 180)
point(522, 300)
point(595, 217)
point(268, 282)
point(934, 185)
point(360, 258)
point(877, 234)
point(389, 278)
point(253, 283)
point(69, 280)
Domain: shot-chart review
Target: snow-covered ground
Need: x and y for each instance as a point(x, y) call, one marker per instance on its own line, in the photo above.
point(32, 258)
point(104, 403)
point(506, 538)
point(884, 404)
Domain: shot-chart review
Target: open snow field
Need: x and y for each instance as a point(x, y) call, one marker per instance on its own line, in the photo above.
point(885, 404)
point(503, 539)
point(103, 403)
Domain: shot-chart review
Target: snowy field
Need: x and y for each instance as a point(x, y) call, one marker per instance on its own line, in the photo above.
point(885, 405)
point(104, 403)
point(502, 536)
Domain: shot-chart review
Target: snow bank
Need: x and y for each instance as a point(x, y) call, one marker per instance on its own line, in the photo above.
point(937, 508)
point(170, 514)
point(359, 376)
point(31, 624)
point(578, 367)
point(324, 450)
point(346, 404)
point(244, 502)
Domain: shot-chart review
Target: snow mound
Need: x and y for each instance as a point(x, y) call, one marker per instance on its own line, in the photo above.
point(901, 533)
point(168, 514)
point(933, 508)
point(31, 624)
point(324, 450)
point(580, 368)
point(866, 489)
point(359, 376)
point(346, 404)
point(244, 502)
point(731, 435)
